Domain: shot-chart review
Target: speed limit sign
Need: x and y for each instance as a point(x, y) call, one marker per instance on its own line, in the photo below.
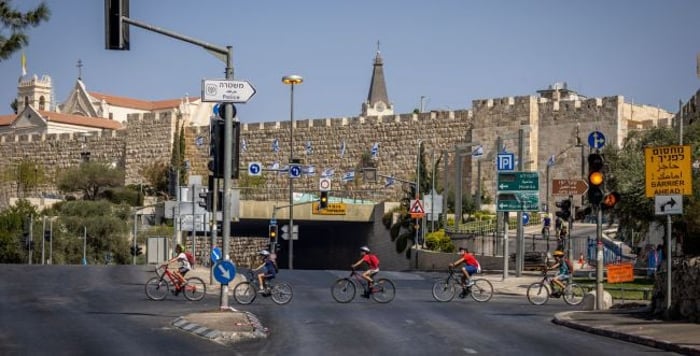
point(324, 184)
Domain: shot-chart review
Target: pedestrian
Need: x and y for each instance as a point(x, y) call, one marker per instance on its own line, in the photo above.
point(563, 234)
point(546, 224)
point(652, 257)
point(558, 223)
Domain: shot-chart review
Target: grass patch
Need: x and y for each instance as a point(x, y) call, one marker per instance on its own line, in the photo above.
point(627, 291)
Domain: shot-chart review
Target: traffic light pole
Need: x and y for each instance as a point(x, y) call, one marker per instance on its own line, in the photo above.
point(599, 258)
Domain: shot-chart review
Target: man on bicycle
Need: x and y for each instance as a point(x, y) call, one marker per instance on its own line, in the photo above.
point(471, 266)
point(185, 266)
point(372, 265)
point(564, 272)
point(268, 269)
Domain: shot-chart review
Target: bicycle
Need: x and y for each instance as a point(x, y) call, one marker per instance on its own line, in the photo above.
point(481, 289)
point(538, 293)
point(245, 292)
point(343, 290)
point(157, 288)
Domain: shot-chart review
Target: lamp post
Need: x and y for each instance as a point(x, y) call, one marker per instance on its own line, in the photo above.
point(291, 80)
point(418, 230)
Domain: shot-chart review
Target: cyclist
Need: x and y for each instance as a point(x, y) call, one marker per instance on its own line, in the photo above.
point(563, 274)
point(372, 266)
point(470, 267)
point(185, 266)
point(546, 224)
point(268, 269)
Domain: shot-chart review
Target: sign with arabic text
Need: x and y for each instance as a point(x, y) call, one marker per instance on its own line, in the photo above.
point(667, 170)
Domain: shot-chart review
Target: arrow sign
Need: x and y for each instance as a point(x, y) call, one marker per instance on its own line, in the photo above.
point(224, 271)
point(668, 204)
point(227, 91)
point(254, 168)
point(569, 186)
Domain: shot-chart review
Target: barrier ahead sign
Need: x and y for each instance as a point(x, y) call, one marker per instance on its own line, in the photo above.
point(668, 171)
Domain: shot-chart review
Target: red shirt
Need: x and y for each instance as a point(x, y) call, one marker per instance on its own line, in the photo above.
point(371, 260)
point(469, 259)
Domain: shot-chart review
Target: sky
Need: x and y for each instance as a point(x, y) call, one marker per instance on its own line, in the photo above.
point(441, 53)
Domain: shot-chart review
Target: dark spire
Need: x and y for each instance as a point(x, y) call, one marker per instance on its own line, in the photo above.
point(377, 87)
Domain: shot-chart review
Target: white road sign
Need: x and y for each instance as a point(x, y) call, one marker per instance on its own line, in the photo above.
point(324, 184)
point(228, 91)
point(668, 204)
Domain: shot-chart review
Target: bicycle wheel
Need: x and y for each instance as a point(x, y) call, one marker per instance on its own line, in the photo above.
point(281, 293)
point(194, 289)
point(343, 290)
point(481, 290)
point(244, 293)
point(538, 293)
point(573, 294)
point(443, 291)
point(156, 288)
point(383, 291)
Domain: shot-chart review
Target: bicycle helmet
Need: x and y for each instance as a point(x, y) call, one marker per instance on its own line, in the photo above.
point(264, 253)
point(364, 248)
point(558, 253)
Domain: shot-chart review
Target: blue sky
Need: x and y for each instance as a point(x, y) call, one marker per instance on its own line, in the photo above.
point(449, 51)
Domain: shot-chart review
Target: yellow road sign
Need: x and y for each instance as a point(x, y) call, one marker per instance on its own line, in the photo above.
point(668, 170)
point(332, 209)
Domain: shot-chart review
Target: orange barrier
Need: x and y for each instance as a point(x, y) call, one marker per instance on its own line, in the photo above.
point(621, 272)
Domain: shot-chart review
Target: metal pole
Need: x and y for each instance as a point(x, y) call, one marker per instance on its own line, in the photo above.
point(520, 239)
point(420, 142)
point(478, 184)
point(51, 241)
point(133, 258)
point(505, 245)
point(291, 181)
point(43, 239)
point(432, 197)
point(546, 194)
point(668, 263)
point(444, 192)
point(228, 154)
point(599, 294)
point(84, 245)
point(194, 233)
point(458, 188)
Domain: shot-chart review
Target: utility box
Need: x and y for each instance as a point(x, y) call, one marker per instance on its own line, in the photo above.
point(157, 250)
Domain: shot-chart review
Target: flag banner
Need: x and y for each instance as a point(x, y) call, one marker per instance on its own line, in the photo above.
point(328, 172)
point(375, 150)
point(309, 170)
point(342, 149)
point(349, 176)
point(389, 182)
point(309, 149)
point(276, 146)
point(244, 146)
point(275, 165)
point(478, 151)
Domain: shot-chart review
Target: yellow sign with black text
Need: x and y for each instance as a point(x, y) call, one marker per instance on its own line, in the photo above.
point(332, 209)
point(668, 170)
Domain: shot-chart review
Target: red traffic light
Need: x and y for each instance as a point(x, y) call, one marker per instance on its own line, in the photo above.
point(610, 200)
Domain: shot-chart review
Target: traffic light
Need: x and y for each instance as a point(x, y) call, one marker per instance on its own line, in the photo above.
point(323, 202)
point(217, 139)
point(205, 199)
point(610, 200)
point(272, 234)
point(133, 250)
point(139, 250)
point(47, 235)
point(116, 30)
point(596, 178)
point(564, 209)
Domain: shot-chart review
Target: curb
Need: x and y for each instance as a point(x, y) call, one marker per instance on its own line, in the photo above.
point(224, 337)
point(565, 319)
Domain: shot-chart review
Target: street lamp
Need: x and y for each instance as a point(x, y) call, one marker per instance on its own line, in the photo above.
point(291, 80)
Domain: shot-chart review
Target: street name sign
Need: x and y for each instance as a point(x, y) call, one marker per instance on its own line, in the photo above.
point(518, 191)
point(667, 170)
point(569, 186)
point(518, 181)
point(226, 91)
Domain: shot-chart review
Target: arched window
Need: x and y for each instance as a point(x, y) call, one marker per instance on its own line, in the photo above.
point(42, 102)
point(26, 101)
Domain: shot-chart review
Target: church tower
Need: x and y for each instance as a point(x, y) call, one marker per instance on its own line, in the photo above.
point(35, 92)
point(377, 103)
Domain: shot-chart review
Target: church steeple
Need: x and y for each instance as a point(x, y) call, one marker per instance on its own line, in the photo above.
point(377, 103)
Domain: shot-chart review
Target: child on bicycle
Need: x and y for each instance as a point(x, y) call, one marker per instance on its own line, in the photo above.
point(268, 269)
point(185, 266)
point(470, 267)
point(372, 265)
point(563, 273)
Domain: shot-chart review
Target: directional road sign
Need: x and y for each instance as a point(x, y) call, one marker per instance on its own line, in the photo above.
point(668, 204)
point(215, 254)
point(569, 186)
point(224, 271)
point(229, 91)
point(518, 181)
point(518, 191)
point(254, 168)
point(285, 232)
point(596, 140)
point(294, 170)
point(518, 201)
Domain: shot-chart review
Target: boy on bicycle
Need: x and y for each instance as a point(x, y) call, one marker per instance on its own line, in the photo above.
point(268, 269)
point(372, 265)
point(564, 272)
point(185, 266)
point(471, 266)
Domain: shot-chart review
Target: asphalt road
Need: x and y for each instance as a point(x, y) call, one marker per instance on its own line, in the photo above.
point(89, 310)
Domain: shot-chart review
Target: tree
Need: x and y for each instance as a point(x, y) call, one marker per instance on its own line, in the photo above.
point(27, 174)
point(156, 175)
point(16, 22)
point(12, 225)
point(91, 178)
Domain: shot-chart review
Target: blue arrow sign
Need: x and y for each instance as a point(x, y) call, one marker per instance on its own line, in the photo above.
point(294, 171)
point(526, 218)
point(596, 140)
point(254, 168)
point(224, 271)
point(215, 254)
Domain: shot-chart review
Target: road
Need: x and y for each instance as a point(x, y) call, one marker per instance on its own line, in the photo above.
point(88, 310)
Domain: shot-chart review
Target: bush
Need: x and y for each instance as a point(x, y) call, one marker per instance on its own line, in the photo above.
point(439, 241)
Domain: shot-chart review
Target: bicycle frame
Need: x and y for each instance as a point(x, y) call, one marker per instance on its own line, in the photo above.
point(357, 277)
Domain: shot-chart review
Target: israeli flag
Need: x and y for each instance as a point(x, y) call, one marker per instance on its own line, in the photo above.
point(244, 146)
point(389, 182)
point(552, 159)
point(478, 151)
point(328, 172)
point(275, 165)
point(276, 146)
point(349, 176)
point(342, 149)
point(309, 170)
point(375, 150)
point(309, 149)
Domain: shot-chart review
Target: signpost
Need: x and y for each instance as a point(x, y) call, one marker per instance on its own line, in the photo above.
point(227, 91)
point(568, 187)
point(518, 191)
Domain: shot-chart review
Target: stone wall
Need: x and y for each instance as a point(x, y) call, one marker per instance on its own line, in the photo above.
point(685, 289)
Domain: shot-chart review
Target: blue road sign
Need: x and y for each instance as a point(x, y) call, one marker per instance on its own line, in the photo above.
point(294, 171)
point(596, 140)
point(505, 161)
point(224, 271)
point(215, 254)
point(254, 168)
point(526, 218)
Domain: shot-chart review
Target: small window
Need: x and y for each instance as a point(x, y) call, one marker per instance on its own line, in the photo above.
point(42, 103)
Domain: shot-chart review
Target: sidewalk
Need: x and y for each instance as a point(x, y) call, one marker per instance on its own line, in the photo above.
point(632, 325)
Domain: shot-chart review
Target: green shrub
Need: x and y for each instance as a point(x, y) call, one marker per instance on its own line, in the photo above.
point(439, 241)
